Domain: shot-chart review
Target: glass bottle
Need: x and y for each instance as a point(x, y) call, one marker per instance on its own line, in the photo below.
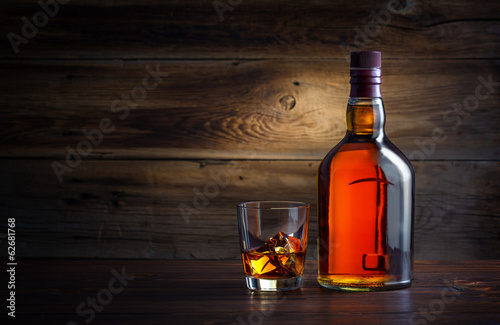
point(365, 196)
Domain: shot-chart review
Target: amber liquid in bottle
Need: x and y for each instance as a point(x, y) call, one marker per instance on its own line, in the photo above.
point(365, 207)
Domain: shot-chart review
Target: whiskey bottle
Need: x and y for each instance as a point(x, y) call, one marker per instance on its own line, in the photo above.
point(365, 195)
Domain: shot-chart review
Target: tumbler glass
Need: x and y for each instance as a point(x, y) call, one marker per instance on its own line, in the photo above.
point(273, 241)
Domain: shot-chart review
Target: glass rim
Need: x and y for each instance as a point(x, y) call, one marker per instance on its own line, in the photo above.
point(296, 205)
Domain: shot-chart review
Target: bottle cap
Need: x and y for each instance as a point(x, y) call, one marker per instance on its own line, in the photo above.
point(365, 74)
point(366, 59)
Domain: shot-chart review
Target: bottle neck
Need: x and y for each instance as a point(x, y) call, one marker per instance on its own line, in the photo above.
point(366, 117)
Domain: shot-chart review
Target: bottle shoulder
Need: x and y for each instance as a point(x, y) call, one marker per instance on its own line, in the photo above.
point(361, 153)
point(399, 157)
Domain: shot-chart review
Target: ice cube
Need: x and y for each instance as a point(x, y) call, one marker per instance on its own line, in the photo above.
point(260, 264)
point(277, 257)
point(283, 244)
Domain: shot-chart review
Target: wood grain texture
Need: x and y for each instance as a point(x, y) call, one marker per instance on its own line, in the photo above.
point(187, 209)
point(237, 109)
point(255, 100)
point(256, 29)
point(160, 292)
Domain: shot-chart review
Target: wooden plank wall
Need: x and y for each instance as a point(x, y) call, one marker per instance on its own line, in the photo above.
point(180, 112)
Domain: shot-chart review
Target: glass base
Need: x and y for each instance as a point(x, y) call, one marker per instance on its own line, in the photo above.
point(363, 284)
point(273, 284)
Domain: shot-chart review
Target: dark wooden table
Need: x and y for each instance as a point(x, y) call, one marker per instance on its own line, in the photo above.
point(213, 292)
